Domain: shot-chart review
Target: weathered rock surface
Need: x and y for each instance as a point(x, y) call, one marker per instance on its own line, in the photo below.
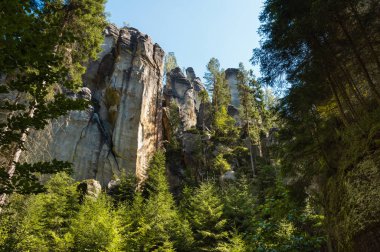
point(122, 129)
point(232, 80)
point(90, 188)
point(182, 97)
point(184, 91)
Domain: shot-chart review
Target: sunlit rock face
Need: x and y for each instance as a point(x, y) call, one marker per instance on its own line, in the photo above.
point(182, 97)
point(197, 86)
point(184, 91)
point(122, 129)
point(232, 80)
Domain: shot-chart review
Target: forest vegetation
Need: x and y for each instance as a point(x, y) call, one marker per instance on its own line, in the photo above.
point(315, 187)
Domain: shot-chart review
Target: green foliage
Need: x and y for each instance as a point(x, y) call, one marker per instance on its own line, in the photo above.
point(156, 182)
point(125, 190)
point(267, 107)
point(170, 62)
point(204, 209)
point(352, 191)
point(175, 124)
point(326, 51)
point(55, 221)
point(153, 223)
point(96, 227)
point(217, 84)
point(239, 204)
point(248, 110)
point(47, 216)
point(279, 225)
point(224, 124)
point(25, 179)
point(44, 46)
point(10, 219)
point(220, 164)
point(235, 244)
point(204, 96)
point(233, 220)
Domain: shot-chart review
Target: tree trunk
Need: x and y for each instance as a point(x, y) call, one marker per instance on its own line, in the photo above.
point(346, 73)
point(251, 156)
point(360, 60)
point(341, 110)
point(16, 156)
point(353, 87)
point(365, 34)
point(346, 99)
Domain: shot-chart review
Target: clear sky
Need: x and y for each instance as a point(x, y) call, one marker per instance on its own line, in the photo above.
point(195, 30)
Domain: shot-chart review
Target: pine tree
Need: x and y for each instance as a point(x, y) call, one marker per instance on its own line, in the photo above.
point(204, 210)
point(10, 219)
point(96, 227)
point(44, 48)
point(235, 244)
point(239, 205)
point(170, 63)
point(156, 224)
point(47, 216)
point(217, 85)
point(249, 112)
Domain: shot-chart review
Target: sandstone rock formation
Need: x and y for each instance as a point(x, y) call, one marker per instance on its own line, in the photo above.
point(122, 129)
point(232, 80)
point(184, 91)
point(89, 188)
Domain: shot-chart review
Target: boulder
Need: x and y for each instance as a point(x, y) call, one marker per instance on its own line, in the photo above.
point(90, 187)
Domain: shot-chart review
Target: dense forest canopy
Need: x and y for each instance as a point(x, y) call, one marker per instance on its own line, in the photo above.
point(328, 51)
point(293, 173)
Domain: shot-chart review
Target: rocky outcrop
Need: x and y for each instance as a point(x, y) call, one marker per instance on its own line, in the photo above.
point(185, 92)
point(122, 129)
point(232, 80)
point(89, 188)
point(182, 98)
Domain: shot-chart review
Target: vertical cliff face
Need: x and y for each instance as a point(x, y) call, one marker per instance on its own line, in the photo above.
point(122, 129)
point(184, 91)
point(232, 80)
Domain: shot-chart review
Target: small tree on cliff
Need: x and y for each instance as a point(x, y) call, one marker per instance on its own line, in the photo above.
point(217, 84)
point(221, 98)
point(249, 113)
point(169, 64)
point(44, 46)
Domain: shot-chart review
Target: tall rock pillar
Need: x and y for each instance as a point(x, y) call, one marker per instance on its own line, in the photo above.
point(232, 80)
point(121, 131)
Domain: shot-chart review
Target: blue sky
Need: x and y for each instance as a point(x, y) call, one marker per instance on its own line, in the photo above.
point(195, 30)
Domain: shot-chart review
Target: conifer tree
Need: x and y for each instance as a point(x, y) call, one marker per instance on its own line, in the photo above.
point(170, 63)
point(217, 84)
point(224, 124)
point(44, 48)
point(249, 113)
point(204, 210)
point(239, 204)
point(157, 224)
point(235, 244)
point(47, 216)
point(96, 227)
